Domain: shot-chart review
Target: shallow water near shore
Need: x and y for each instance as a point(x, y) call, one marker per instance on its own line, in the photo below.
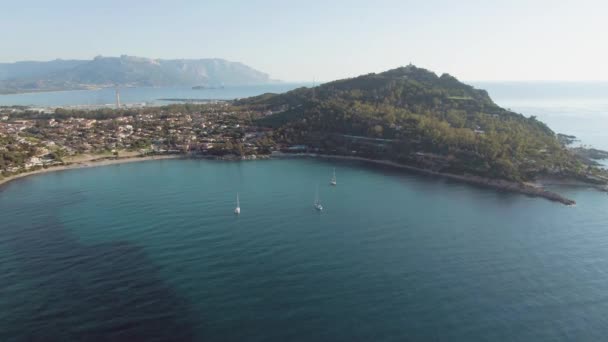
point(151, 250)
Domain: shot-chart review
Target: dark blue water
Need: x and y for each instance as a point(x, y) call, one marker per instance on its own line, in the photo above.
point(152, 251)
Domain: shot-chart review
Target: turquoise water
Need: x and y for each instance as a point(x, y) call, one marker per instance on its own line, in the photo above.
point(152, 251)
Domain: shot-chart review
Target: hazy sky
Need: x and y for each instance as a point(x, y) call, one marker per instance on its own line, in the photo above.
point(299, 41)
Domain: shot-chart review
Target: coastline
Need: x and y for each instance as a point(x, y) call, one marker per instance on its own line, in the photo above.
point(101, 161)
point(534, 189)
point(530, 189)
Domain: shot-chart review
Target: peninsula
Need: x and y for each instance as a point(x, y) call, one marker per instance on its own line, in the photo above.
point(407, 117)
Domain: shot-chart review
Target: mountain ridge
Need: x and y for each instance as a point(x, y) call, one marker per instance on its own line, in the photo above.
point(31, 76)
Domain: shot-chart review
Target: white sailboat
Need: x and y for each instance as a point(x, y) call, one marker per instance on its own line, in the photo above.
point(237, 210)
point(317, 203)
point(333, 181)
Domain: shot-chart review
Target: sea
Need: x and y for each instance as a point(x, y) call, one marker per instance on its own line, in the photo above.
point(152, 96)
point(573, 108)
point(151, 251)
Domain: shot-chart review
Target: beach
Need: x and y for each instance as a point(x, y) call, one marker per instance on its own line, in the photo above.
point(530, 189)
point(101, 161)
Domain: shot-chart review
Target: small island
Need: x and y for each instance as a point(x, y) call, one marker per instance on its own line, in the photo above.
point(204, 87)
point(406, 117)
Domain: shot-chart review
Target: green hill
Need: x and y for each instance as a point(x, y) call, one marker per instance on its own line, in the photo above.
point(412, 116)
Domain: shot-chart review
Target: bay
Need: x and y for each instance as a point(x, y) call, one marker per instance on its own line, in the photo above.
point(139, 95)
point(152, 251)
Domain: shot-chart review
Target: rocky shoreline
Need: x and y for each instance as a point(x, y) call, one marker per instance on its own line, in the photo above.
point(503, 185)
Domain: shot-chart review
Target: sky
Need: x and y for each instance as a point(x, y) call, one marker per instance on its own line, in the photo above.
point(323, 39)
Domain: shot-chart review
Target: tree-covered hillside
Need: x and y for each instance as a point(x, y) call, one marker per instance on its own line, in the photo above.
point(411, 115)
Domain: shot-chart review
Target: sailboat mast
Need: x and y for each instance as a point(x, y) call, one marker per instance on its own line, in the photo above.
point(333, 179)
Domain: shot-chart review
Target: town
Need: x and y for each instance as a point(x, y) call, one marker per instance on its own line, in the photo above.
point(31, 139)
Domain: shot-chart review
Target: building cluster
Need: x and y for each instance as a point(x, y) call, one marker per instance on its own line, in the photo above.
point(47, 139)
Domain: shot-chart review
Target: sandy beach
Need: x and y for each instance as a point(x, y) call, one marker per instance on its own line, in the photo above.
point(532, 189)
point(86, 161)
point(99, 161)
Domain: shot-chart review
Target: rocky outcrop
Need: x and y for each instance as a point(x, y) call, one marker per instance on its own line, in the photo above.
point(498, 184)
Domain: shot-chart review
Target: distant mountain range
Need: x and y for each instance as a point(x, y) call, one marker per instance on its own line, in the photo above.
point(125, 71)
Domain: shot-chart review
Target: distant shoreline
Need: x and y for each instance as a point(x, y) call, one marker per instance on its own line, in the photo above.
point(530, 189)
point(40, 91)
